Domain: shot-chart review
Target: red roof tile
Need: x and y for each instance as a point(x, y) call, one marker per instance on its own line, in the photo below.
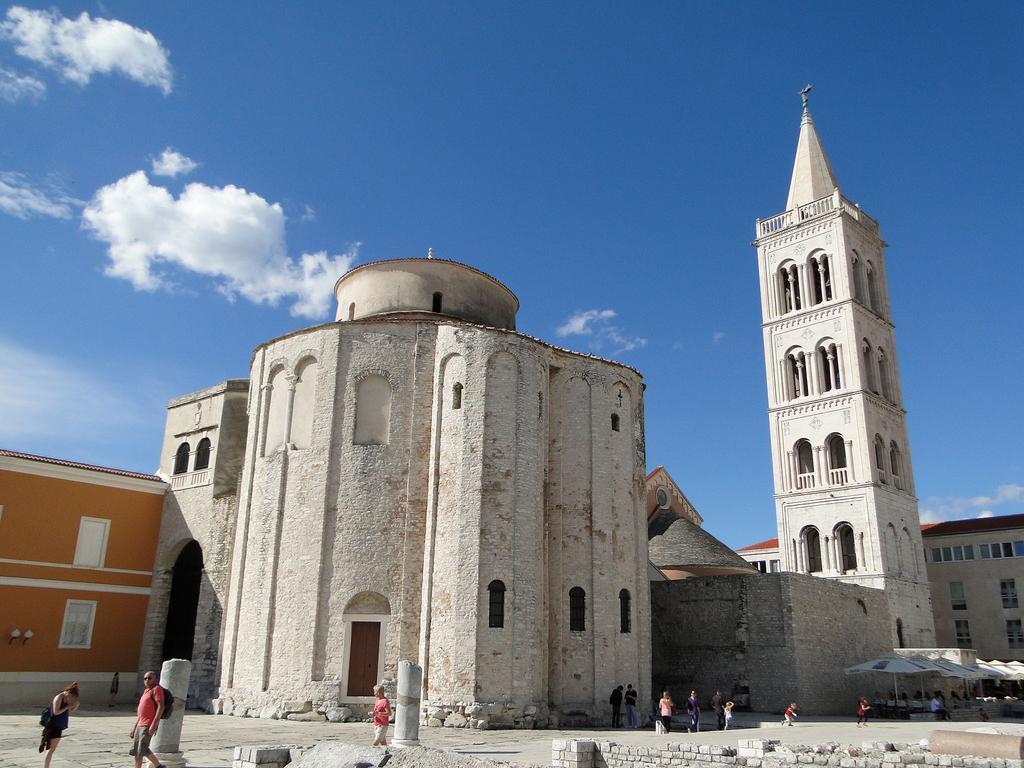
point(766, 544)
point(79, 465)
point(973, 525)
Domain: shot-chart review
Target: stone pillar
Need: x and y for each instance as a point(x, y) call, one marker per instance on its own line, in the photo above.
point(407, 714)
point(166, 745)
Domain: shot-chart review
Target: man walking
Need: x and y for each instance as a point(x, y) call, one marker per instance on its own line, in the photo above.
point(719, 707)
point(147, 721)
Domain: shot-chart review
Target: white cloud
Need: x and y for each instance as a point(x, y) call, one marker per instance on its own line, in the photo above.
point(44, 396)
point(20, 199)
point(581, 323)
point(309, 214)
point(225, 233)
point(601, 332)
point(80, 48)
point(717, 337)
point(173, 163)
point(938, 508)
point(15, 87)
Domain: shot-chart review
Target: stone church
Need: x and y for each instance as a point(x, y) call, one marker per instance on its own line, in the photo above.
point(415, 480)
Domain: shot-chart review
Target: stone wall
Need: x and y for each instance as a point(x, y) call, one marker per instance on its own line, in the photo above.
point(757, 753)
point(788, 637)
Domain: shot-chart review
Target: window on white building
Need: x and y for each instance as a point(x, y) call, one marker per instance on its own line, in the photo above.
point(1014, 633)
point(1008, 592)
point(958, 601)
point(91, 550)
point(76, 631)
point(963, 633)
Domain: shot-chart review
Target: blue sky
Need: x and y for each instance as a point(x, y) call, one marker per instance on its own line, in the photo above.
point(598, 158)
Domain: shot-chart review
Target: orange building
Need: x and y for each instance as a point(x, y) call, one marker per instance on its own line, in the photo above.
point(77, 544)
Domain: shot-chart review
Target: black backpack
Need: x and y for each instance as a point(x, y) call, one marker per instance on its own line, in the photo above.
point(168, 701)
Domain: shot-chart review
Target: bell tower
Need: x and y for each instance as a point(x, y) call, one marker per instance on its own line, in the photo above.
point(844, 487)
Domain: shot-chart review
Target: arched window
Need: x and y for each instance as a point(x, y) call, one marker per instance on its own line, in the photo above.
point(869, 367)
point(895, 465)
point(456, 396)
point(624, 612)
point(300, 431)
point(899, 633)
point(816, 270)
point(880, 458)
point(577, 610)
point(615, 422)
point(373, 411)
point(790, 288)
point(805, 465)
point(496, 604)
point(847, 547)
point(883, 375)
point(828, 364)
point(352, 311)
point(436, 306)
point(876, 304)
point(181, 459)
point(825, 269)
point(838, 472)
point(276, 411)
point(203, 454)
point(856, 288)
point(796, 363)
point(812, 542)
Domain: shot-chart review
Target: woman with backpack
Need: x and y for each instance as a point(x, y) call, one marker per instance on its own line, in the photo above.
point(59, 711)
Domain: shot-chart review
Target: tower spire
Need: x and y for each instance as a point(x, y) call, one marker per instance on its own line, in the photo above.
point(813, 177)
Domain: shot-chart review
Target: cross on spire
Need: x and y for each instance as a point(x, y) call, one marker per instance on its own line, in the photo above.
point(805, 93)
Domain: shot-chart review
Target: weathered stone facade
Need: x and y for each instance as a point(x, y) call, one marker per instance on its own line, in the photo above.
point(787, 637)
point(416, 486)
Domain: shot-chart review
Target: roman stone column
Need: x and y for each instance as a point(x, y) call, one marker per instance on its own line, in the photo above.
point(174, 676)
point(407, 715)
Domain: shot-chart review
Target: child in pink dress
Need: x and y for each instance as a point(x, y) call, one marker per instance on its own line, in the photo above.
point(381, 717)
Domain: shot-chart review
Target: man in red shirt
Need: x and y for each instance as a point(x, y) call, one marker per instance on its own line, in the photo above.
point(150, 710)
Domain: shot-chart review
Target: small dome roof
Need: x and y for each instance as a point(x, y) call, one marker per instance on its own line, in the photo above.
point(686, 549)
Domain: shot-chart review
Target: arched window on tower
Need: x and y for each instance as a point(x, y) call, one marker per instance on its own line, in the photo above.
point(790, 288)
point(856, 289)
point(615, 422)
point(796, 364)
point(436, 304)
point(625, 620)
point(870, 380)
point(352, 311)
point(203, 454)
point(577, 610)
point(825, 268)
point(805, 465)
point(456, 396)
point(815, 269)
point(896, 465)
point(496, 604)
point(883, 375)
point(847, 547)
point(880, 458)
point(812, 543)
point(828, 359)
point(373, 411)
point(876, 304)
point(838, 473)
point(181, 459)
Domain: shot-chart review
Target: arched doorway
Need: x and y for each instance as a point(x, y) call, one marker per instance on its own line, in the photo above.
point(366, 617)
point(180, 627)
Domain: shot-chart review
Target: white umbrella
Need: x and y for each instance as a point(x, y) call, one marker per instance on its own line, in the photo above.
point(895, 665)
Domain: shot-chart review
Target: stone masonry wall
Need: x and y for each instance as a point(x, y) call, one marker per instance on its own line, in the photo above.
point(757, 753)
point(788, 637)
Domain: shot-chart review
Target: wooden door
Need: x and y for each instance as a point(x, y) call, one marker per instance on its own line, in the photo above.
point(364, 647)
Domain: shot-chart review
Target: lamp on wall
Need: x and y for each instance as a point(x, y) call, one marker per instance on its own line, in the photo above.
point(15, 634)
point(27, 636)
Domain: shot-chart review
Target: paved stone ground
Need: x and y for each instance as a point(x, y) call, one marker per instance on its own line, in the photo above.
point(99, 738)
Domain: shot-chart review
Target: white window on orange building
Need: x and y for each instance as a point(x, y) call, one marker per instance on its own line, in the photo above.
point(76, 631)
point(91, 550)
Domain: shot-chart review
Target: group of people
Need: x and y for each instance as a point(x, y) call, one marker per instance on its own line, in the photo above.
point(627, 697)
point(721, 708)
point(150, 710)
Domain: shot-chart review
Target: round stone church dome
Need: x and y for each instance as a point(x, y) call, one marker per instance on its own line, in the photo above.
point(425, 287)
